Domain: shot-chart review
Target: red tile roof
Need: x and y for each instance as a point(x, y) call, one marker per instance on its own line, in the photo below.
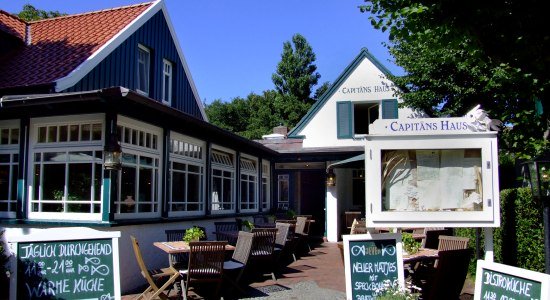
point(59, 45)
point(12, 25)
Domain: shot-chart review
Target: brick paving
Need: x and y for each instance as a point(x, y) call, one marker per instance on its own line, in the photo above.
point(323, 267)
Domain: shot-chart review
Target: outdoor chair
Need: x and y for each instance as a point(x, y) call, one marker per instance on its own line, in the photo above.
point(350, 216)
point(431, 236)
point(452, 242)
point(358, 227)
point(302, 231)
point(206, 260)
point(263, 246)
point(447, 279)
point(178, 260)
point(239, 260)
point(165, 276)
point(222, 227)
point(283, 241)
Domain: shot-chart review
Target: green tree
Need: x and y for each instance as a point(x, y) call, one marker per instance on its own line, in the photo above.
point(30, 13)
point(459, 54)
point(296, 72)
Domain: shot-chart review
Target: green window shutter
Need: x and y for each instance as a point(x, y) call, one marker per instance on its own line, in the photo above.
point(389, 109)
point(344, 120)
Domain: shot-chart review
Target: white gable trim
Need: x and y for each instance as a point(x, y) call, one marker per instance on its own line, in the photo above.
point(98, 56)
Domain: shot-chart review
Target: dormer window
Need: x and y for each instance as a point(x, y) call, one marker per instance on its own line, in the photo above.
point(354, 118)
point(143, 70)
point(166, 82)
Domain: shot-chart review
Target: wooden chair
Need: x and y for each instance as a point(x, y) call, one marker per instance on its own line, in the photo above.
point(285, 233)
point(431, 236)
point(350, 216)
point(206, 260)
point(227, 227)
point(239, 260)
point(452, 242)
point(302, 232)
point(178, 260)
point(358, 227)
point(154, 277)
point(447, 280)
point(263, 246)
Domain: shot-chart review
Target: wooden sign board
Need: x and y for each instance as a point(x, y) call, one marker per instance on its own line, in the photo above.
point(369, 260)
point(66, 263)
point(501, 282)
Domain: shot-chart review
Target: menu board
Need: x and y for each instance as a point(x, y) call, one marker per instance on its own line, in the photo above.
point(498, 281)
point(67, 268)
point(370, 260)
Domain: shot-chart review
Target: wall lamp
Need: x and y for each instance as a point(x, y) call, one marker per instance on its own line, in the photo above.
point(331, 177)
point(112, 153)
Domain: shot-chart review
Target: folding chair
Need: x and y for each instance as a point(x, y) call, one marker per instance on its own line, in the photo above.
point(239, 260)
point(153, 277)
point(206, 260)
point(226, 227)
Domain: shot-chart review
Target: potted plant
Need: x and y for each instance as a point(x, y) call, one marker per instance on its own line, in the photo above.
point(248, 225)
point(410, 245)
point(393, 291)
point(193, 234)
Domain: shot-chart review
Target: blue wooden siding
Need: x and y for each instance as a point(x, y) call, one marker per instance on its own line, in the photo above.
point(119, 67)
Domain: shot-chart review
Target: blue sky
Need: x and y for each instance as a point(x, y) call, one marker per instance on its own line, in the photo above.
point(233, 47)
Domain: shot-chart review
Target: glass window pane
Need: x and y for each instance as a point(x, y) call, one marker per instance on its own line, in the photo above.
point(134, 137)
point(14, 178)
point(4, 182)
point(5, 158)
point(80, 182)
point(127, 135)
point(127, 189)
point(145, 161)
point(4, 136)
point(14, 136)
point(145, 185)
point(63, 133)
point(36, 183)
point(42, 134)
point(193, 188)
point(73, 133)
point(96, 132)
point(52, 134)
point(53, 182)
point(86, 132)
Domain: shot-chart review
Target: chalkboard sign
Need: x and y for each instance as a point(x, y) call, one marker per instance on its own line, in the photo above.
point(498, 281)
point(370, 260)
point(68, 268)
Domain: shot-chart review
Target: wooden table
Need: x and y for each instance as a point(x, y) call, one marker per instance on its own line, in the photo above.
point(180, 247)
point(421, 255)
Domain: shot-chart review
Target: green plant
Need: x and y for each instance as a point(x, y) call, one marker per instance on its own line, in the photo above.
point(290, 214)
point(393, 291)
point(193, 234)
point(249, 225)
point(409, 243)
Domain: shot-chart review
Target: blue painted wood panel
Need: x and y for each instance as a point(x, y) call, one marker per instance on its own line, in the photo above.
point(120, 67)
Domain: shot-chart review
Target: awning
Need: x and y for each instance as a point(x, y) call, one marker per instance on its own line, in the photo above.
point(352, 162)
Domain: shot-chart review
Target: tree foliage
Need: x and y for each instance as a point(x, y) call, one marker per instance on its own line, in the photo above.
point(257, 115)
point(296, 72)
point(30, 13)
point(457, 54)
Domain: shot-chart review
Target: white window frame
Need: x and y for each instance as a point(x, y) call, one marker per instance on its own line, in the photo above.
point(225, 168)
point(12, 150)
point(248, 177)
point(266, 186)
point(189, 157)
point(167, 75)
point(147, 70)
point(140, 149)
point(281, 178)
point(37, 148)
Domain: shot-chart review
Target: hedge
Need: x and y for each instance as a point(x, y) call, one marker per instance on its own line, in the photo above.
point(519, 239)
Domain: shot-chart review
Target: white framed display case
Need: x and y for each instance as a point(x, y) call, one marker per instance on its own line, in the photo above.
point(440, 176)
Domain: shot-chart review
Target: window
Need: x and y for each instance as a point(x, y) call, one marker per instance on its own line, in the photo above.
point(186, 175)
point(139, 192)
point(67, 167)
point(266, 184)
point(223, 181)
point(167, 82)
point(249, 184)
point(143, 69)
point(283, 191)
point(354, 118)
point(9, 167)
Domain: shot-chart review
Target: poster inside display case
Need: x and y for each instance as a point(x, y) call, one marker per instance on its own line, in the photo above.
point(440, 177)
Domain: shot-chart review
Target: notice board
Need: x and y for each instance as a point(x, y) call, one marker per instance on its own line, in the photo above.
point(58, 264)
point(498, 281)
point(369, 260)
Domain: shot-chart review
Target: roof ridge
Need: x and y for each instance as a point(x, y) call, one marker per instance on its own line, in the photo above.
point(13, 16)
point(93, 12)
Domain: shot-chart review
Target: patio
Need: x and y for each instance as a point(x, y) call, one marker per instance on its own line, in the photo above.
point(317, 275)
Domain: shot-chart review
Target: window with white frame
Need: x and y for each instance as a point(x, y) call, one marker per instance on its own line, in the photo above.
point(249, 184)
point(266, 184)
point(223, 181)
point(187, 166)
point(143, 69)
point(9, 167)
point(66, 169)
point(283, 190)
point(139, 179)
point(166, 82)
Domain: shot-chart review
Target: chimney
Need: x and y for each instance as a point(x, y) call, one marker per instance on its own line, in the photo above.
point(283, 130)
